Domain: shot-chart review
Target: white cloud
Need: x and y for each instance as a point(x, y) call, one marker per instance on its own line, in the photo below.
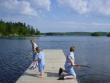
point(41, 4)
point(20, 7)
point(88, 6)
point(25, 7)
point(77, 5)
point(105, 7)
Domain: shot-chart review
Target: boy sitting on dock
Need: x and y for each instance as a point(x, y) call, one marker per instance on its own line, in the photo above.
point(69, 72)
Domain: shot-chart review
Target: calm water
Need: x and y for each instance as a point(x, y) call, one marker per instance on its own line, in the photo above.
point(15, 56)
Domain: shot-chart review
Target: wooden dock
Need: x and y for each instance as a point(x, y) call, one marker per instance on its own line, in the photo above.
point(54, 60)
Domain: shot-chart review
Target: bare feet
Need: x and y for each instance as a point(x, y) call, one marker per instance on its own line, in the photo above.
point(41, 76)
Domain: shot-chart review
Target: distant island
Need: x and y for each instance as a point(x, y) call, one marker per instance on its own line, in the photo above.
point(18, 29)
point(77, 33)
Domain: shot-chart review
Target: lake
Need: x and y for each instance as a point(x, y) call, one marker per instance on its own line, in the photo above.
point(15, 56)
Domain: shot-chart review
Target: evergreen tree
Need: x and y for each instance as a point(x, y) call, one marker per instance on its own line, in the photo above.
point(17, 29)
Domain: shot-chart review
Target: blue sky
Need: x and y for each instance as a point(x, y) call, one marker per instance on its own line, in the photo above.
point(59, 15)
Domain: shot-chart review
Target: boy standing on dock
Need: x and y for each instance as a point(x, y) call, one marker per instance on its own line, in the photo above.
point(34, 46)
point(41, 61)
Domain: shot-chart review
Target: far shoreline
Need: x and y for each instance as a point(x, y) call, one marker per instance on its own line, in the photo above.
point(19, 37)
point(37, 36)
point(81, 34)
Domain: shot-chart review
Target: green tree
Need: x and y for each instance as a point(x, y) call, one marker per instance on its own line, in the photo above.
point(17, 28)
point(108, 34)
point(95, 34)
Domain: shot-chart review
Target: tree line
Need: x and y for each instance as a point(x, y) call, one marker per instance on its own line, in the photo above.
point(78, 33)
point(100, 34)
point(17, 29)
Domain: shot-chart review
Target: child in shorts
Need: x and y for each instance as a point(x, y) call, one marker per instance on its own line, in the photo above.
point(41, 62)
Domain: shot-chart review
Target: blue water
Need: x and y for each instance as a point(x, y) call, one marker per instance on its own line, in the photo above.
point(15, 56)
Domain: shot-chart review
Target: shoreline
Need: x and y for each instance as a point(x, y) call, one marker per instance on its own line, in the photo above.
point(30, 37)
point(18, 37)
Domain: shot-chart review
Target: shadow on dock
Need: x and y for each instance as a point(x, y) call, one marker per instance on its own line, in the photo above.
point(48, 74)
point(29, 74)
point(51, 74)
